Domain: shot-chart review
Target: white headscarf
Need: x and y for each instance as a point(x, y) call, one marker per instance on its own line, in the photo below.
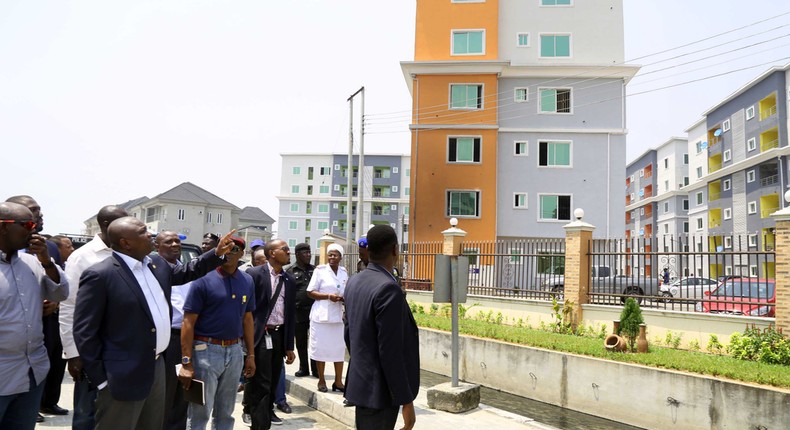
point(335, 247)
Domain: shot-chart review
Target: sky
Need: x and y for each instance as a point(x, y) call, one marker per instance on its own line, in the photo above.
point(103, 101)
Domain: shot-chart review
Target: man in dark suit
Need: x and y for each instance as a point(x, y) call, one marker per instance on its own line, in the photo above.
point(122, 325)
point(275, 321)
point(382, 339)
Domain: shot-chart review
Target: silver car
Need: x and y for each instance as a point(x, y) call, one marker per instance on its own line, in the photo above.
point(690, 287)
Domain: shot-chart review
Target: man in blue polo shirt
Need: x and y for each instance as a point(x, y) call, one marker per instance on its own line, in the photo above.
point(217, 312)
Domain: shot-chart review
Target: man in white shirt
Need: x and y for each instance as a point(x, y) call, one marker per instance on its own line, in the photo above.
point(86, 256)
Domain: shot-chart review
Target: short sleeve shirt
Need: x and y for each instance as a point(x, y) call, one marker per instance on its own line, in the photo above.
point(221, 300)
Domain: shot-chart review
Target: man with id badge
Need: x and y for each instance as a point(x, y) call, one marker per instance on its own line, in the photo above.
point(275, 321)
point(217, 313)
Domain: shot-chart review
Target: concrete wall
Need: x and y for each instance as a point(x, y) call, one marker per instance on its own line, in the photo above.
point(689, 325)
point(640, 396)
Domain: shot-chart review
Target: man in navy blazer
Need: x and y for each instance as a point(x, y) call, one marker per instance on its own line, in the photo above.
point(122, 325)
point(274, 336)
point(382, 339)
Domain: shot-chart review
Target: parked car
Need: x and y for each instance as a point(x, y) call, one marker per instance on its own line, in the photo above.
point(605, 281)
point(691, 287)
point(741, 296)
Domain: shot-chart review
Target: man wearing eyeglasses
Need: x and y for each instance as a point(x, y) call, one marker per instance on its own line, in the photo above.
point(26, 279)
point(217, 313)
point(275, 318)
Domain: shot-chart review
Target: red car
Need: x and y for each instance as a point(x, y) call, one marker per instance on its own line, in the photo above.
point(741, 296)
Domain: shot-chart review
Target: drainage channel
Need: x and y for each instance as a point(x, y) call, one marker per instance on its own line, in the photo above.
point(544, 413)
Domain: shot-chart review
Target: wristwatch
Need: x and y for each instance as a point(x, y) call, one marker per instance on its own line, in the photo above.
point(186, 360)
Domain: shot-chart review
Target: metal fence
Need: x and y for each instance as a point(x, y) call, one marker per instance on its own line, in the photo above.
point(695, 267)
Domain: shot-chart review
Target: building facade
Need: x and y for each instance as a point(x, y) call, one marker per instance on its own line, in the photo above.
point(518, 117)
point(314, 192)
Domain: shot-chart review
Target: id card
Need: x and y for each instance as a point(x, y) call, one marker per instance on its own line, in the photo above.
point(268, 339)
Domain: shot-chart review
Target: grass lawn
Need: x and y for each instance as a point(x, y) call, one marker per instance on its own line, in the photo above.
point(666, 358)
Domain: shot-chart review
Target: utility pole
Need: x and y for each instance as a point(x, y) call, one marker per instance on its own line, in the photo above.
point(361, 176)
point(350, 169)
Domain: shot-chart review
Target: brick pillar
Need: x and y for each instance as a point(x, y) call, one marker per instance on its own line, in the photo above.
point(782, 249)
point(577, 265)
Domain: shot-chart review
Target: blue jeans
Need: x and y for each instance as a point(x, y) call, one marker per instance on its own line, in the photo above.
point(84, 406)
point(19, 411)
point(279, 393)
point(219, 368)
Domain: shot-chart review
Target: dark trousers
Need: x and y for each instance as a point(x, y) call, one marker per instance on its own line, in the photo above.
point(259, 390)
point(376, 419)
point(149, 413)
point(18, 411)
point(57, 364)
point(176, 406)
point(302, 331)
point(84, 413)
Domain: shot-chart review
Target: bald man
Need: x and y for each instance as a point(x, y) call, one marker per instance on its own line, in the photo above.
point(122, 325)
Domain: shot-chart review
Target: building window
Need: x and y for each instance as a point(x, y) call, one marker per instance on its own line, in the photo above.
point(308, 207)
point(294, 207)
point(666, 163)
point(293, 225)
point(727, 155)
point(294, 189)
point(752, 208)
point(310, 173)
point(323, 189)
point(337, 187)
point(699, 198)
point(463, 203)
point(219, 218)
point(700, 146)
point(727, 184)
point(555, 100)
point(699, 223)
point(323, 225)
point(751, 144)
point(725, 126)
point(292, 243)
point(209, 217)
point(308, 225)
point(554, 207)
point(463, 150)
point(555, 2)
point(727, 213)
point(666, 185)
point(685, 181)
point(522, 40)
point(750, 176)
point(394, 188)
point(685, 158)
point(520, 148)
point(309, 190)
point(520, 200)
point(666, 228)
point(749, 113)
point(685, 204)
point(468, 42)
point(642, 211)
point(699, 172)
point(395, 170)
point(555, 45)
point(182, 214)
point(554, 154)
point(406, 191)
point(752, 241)
point(666, 207)
point(323, 208)
point(685, 226)
point(381, 172)
point(520, 95)
point(406, 210)
point(296, 171)
point(337, 167)
point(466, 96)
point(408, 172)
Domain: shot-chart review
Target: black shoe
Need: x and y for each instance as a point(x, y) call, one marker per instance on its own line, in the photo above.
point(54, 410)
point(336, 388)
point(348, 404)
point(300, 373)
point(276, 421)
point(40, 418)
point(246, 419)
point(285, 407)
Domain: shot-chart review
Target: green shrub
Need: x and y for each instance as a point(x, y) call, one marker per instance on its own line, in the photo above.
point(673, 339)
point(694, 345)
point(714, 346)
point(765, 346)
point(630, 319)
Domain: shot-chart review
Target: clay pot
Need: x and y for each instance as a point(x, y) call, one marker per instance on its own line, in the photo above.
point(641, 342)
point(614, 342)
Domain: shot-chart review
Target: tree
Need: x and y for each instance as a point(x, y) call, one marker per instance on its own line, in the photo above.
point(630, 319)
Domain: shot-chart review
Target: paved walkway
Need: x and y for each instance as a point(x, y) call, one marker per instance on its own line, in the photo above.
point(325, 411)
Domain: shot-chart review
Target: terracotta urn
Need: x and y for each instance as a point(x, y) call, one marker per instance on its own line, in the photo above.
point(641, 342)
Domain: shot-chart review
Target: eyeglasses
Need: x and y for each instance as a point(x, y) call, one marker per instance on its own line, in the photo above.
point(235, 249)
point(284, 248)
point(29, 225)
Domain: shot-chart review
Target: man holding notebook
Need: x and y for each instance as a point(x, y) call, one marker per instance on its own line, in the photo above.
point(217, 313)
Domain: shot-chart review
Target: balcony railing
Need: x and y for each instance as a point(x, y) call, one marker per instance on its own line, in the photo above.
point(764, 146)
point(712, 197)
point(766, 212)
point(770, 180)
point(771, 111)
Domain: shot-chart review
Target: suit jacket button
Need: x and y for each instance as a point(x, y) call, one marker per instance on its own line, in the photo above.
point(153, 330)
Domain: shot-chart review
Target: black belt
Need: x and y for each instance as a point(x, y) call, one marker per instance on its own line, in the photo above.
point(175, 331)
point(273, 327)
